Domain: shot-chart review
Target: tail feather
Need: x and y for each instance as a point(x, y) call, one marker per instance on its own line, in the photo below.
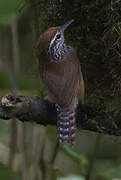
point(66, 125)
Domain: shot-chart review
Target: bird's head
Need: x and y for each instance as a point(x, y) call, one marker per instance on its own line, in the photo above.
point(52, 37)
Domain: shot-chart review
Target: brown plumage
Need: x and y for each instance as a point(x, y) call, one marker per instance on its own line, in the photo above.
point(63, 80)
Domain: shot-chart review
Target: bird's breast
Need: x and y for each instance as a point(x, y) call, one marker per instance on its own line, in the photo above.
point(61, 81)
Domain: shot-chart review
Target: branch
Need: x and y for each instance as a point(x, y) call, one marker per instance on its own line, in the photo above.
point(40, 111)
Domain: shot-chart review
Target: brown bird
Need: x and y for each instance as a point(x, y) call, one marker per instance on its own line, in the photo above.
point(61, 74)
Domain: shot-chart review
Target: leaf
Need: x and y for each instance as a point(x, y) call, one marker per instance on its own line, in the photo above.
point(78, 158)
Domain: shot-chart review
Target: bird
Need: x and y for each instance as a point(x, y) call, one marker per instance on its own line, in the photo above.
point(62, 77)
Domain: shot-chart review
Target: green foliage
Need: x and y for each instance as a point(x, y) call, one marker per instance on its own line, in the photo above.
point(3, 172)
point(80, 159)
point(111, 173)
point(9, 10)
point(4, 81)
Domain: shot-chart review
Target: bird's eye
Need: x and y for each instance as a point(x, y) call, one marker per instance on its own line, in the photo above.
point(58, 36)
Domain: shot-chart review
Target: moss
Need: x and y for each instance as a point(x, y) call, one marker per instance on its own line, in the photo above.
point(95, 34)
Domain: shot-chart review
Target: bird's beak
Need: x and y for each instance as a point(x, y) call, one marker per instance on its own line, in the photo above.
point(64, 26)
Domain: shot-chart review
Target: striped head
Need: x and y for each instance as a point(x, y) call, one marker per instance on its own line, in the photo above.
point(52, 41)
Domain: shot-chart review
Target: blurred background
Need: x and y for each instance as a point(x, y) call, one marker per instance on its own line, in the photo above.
point(27, 149)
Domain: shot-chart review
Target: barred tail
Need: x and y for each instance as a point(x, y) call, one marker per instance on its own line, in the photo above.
point(66, 124)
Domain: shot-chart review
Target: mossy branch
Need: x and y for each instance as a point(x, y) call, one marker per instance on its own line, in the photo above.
point(40, 111)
